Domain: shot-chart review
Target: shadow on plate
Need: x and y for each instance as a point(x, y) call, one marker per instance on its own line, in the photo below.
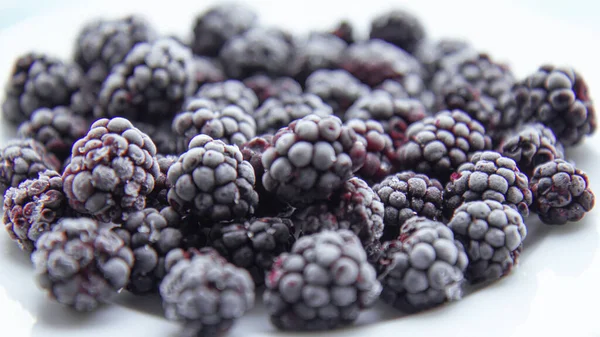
point(147, 304)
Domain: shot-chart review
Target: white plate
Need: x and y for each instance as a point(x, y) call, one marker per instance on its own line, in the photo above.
point(553, 291)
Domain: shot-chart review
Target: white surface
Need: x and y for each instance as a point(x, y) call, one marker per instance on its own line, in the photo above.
point(555, 290)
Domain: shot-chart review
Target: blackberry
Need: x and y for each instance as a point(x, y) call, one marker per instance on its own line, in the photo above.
point(230, 124)
point(561, 192)
point(439, 144)
point(205, 291)
point(379, 149)
point(259, 51)
point(23, 159)
point(253, 245)
point(345, 31)
point(276, 113)
point(158, 197)
point(112, 170)
point(33, 207)
point(81, 264)
point(394, 114)
point(411, 86)
point(101, 44)
point(557, 97)
point(212, 181)
point(207, 70)
point(150, 234)
point(230, 92)
point(162, 136)
point(375, 61)
point(311, 158)
point(400, 28)
point(338, 88)
point(84, 100)
point(323, 283)
point(531, 145)
point(57, 129)
point(432, 53)
point(150, 84)
point(318, 51)
point(220, 23)
point(492, 234)
point(424, 268)
point(406, 194)
point(38, 81)
point(488, 176)
point(266, 87)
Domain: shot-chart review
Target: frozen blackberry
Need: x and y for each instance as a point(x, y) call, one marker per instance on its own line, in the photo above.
point(488, 176)
point(150, 84)
point(323, 283)
point(84, 100)
point(102, 44)
point(375, 61)
point(213, 28)
point(394, 114)
point(492, 234)
point(338, 88)
point(33, 207)
point(260, 50)
point(205, 291)
point(81, 264)
point(318, 51)
point(266, 87)
point(344, 31)
point(276, 113)
point(561, 192)
point(439, 144)
point(531, 145)
point(162, 136)
point(229, 124)
point(423, 268)
point(406, 194)
point(23, 159)
point(311, 158)
point(57, 129)
point(431, 54)
point(253, 245)
point(557, 97)
point(379, 149)
point(400, 28)
point(207, 70)
point(212, 181)
point(411, 86)
point(230, 92)
point(112, 170)
point(38, 81)
point(158, 198)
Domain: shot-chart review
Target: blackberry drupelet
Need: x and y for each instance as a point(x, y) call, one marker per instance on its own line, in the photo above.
point(379, 149)
point(253, 245)
point(344, 31)
point(375, 61)
point(432, 53)
point(158, 197)
point(411, 86)
point(38, 81)
point(259, 50)
point(205, 291)
point(561, 193)
point(230, 92)
point(207, 70)
point(531, 145)
point(407, 194)
point(310, 159)
point(338, 88)
point(220, 23)
point(439, 144)
point(212, 181)
point(102, 44)
point(150, 84)
point(229, 124)
point(81, 264)
point(400, 28)
point(57, 129)
point(266, 87)
point(23, 159)
point(323, 283)
point(276, 113)
point(488, 176)
point(318, 51)
point(33, 208)
point(492, 235)
point(557, 97)
point(112, 170)
point(423, 268)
